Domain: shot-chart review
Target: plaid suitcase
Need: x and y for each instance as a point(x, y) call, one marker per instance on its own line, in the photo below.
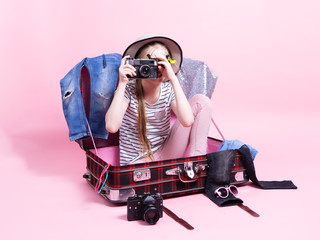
point(172, 177)
point(169, 178)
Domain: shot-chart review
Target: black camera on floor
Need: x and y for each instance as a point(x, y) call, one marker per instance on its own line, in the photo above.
point(145, 68)
point(147, 207)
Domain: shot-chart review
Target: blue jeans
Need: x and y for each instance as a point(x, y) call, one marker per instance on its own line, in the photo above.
point(103, 72)
point(236, 144)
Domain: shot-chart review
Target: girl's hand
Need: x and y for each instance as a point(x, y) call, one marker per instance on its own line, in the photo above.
point(126, 70)
point(166, 68)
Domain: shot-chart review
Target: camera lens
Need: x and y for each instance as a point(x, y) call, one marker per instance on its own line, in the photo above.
point(144, 71)
point(151, 214)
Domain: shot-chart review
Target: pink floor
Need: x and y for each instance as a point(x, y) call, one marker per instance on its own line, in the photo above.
point(43, 195)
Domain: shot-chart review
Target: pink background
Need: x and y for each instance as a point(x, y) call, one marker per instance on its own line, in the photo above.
point(266, 54)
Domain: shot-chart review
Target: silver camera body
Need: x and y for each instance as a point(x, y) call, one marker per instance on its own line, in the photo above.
point(145, 68)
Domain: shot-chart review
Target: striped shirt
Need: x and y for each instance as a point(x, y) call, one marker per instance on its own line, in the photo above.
point(158, 123)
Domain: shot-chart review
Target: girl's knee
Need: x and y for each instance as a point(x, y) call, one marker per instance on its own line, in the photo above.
point(202, 100)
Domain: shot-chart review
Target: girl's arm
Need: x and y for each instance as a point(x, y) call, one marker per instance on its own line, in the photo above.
point(116, 110)
point(119, 104)
point(180, 105)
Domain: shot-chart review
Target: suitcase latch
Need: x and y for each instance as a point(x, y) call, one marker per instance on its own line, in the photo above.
point(174, 171)
point(141, 175)
point(199, 168)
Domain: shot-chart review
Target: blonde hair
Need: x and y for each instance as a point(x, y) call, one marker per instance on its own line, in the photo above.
point(142, 118)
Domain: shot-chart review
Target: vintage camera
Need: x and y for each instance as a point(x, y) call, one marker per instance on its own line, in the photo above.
point(145, 68)
point(147, 207)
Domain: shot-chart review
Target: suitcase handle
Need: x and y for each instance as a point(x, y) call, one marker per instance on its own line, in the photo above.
point(189, 169)
point(187, 181)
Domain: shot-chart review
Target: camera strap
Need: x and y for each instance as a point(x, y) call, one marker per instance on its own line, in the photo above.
point(177, 219)
point(248, 210)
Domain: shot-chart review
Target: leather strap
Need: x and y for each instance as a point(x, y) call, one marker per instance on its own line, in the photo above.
point(248, 210)
point(217, 128)
point(247, 161)
point(177, 219)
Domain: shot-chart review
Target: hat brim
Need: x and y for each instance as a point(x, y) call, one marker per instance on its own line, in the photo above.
point(173, 46)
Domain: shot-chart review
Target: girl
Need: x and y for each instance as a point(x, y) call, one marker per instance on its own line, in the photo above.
point(141, 108)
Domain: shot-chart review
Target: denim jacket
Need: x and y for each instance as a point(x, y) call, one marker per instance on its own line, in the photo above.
point(103, 72)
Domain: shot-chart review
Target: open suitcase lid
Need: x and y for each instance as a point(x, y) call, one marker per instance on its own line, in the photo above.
point(195, 78)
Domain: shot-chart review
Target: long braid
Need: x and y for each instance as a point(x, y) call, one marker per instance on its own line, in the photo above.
point(142, 120)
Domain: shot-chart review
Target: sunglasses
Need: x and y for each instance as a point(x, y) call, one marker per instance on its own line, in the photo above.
point(223, 192)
